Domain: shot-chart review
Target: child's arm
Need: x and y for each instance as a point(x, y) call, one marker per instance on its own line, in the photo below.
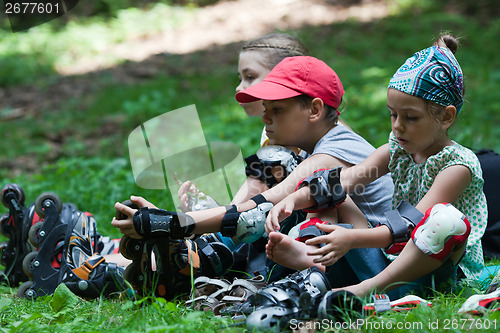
point(447, 186)
point(210, 220)
point(375, 166)
point(412, 263)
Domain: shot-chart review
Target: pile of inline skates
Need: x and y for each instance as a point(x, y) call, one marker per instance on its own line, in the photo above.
point(49, 243)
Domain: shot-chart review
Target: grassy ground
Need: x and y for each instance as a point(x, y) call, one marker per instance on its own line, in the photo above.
point(77, 146)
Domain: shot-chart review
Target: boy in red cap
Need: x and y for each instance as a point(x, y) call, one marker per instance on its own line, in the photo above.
point(301, 96)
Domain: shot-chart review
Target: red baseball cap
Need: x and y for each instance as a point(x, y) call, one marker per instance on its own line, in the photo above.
point(295, 76)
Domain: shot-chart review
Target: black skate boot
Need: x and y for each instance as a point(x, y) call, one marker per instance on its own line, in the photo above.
point(67, 241)
point(14, 225)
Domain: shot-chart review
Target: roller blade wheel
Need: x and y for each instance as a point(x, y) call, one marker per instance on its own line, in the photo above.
point(33, 235)
point(14, 189)
point(135, 276)
point(46, 199)
point(131, 248)
point(25, 291)
point(29, 264)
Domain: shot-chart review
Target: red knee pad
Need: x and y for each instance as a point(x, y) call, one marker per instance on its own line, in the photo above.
point(309, 229)
point(442, 230)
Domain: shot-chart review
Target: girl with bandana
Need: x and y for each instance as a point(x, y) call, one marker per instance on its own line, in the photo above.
point(424, 98)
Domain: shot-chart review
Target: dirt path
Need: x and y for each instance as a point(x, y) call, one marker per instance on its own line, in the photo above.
point(216, 28)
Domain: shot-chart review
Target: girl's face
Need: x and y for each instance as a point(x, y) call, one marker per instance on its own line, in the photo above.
point(417, 131)
point(252, 70)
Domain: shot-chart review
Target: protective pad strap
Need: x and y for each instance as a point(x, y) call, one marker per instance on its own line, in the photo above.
point(149, 223)
point(231, 209)
point(258, 199)
point(310, 230)
point(229, 221)
point(400, 220)
point(326, 189)
point(229, 224)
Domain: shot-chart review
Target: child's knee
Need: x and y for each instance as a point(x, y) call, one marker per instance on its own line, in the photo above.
point(442, 231)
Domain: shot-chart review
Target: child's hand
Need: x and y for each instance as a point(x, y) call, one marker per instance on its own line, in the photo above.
point(141, 202)
point(337, 244)
point(126, 225)
point(186, 187)
point(278, 213)
point(188, 192)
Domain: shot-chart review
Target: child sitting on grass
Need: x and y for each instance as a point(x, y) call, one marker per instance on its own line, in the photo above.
point(301, 98)
point(424, 97)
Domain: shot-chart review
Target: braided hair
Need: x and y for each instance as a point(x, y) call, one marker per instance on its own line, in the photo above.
point(276, 47)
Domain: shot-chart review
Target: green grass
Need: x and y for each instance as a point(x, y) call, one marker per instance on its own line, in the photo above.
point(80, 148)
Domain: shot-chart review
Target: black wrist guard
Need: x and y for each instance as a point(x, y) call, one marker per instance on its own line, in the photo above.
point(325, 188)
point(152, 223)
point(401, 220)
point(230, 221)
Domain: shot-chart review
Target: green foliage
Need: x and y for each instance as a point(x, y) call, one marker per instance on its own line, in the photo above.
point(63, 299)
point(47, 48)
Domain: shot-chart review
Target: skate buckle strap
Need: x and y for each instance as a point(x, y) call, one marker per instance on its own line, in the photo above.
point(381, 303)
point(192, 257)
point(88, 266)
point(210, 254)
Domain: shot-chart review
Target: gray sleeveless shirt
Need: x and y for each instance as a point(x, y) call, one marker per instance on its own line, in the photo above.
point(375, 199)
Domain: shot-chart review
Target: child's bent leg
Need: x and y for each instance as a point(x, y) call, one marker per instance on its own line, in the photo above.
point(442, 234)
point(410, 265)
point(290, 253)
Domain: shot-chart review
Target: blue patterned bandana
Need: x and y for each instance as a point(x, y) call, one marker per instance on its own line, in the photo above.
point(432, 74)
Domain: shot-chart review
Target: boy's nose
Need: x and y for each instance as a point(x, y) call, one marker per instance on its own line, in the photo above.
point(266, 119)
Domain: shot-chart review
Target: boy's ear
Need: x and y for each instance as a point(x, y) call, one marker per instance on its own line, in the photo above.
point(449, 115)
point(317, 109)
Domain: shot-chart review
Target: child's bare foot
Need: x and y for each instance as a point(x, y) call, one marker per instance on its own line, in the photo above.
point(290, 253)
